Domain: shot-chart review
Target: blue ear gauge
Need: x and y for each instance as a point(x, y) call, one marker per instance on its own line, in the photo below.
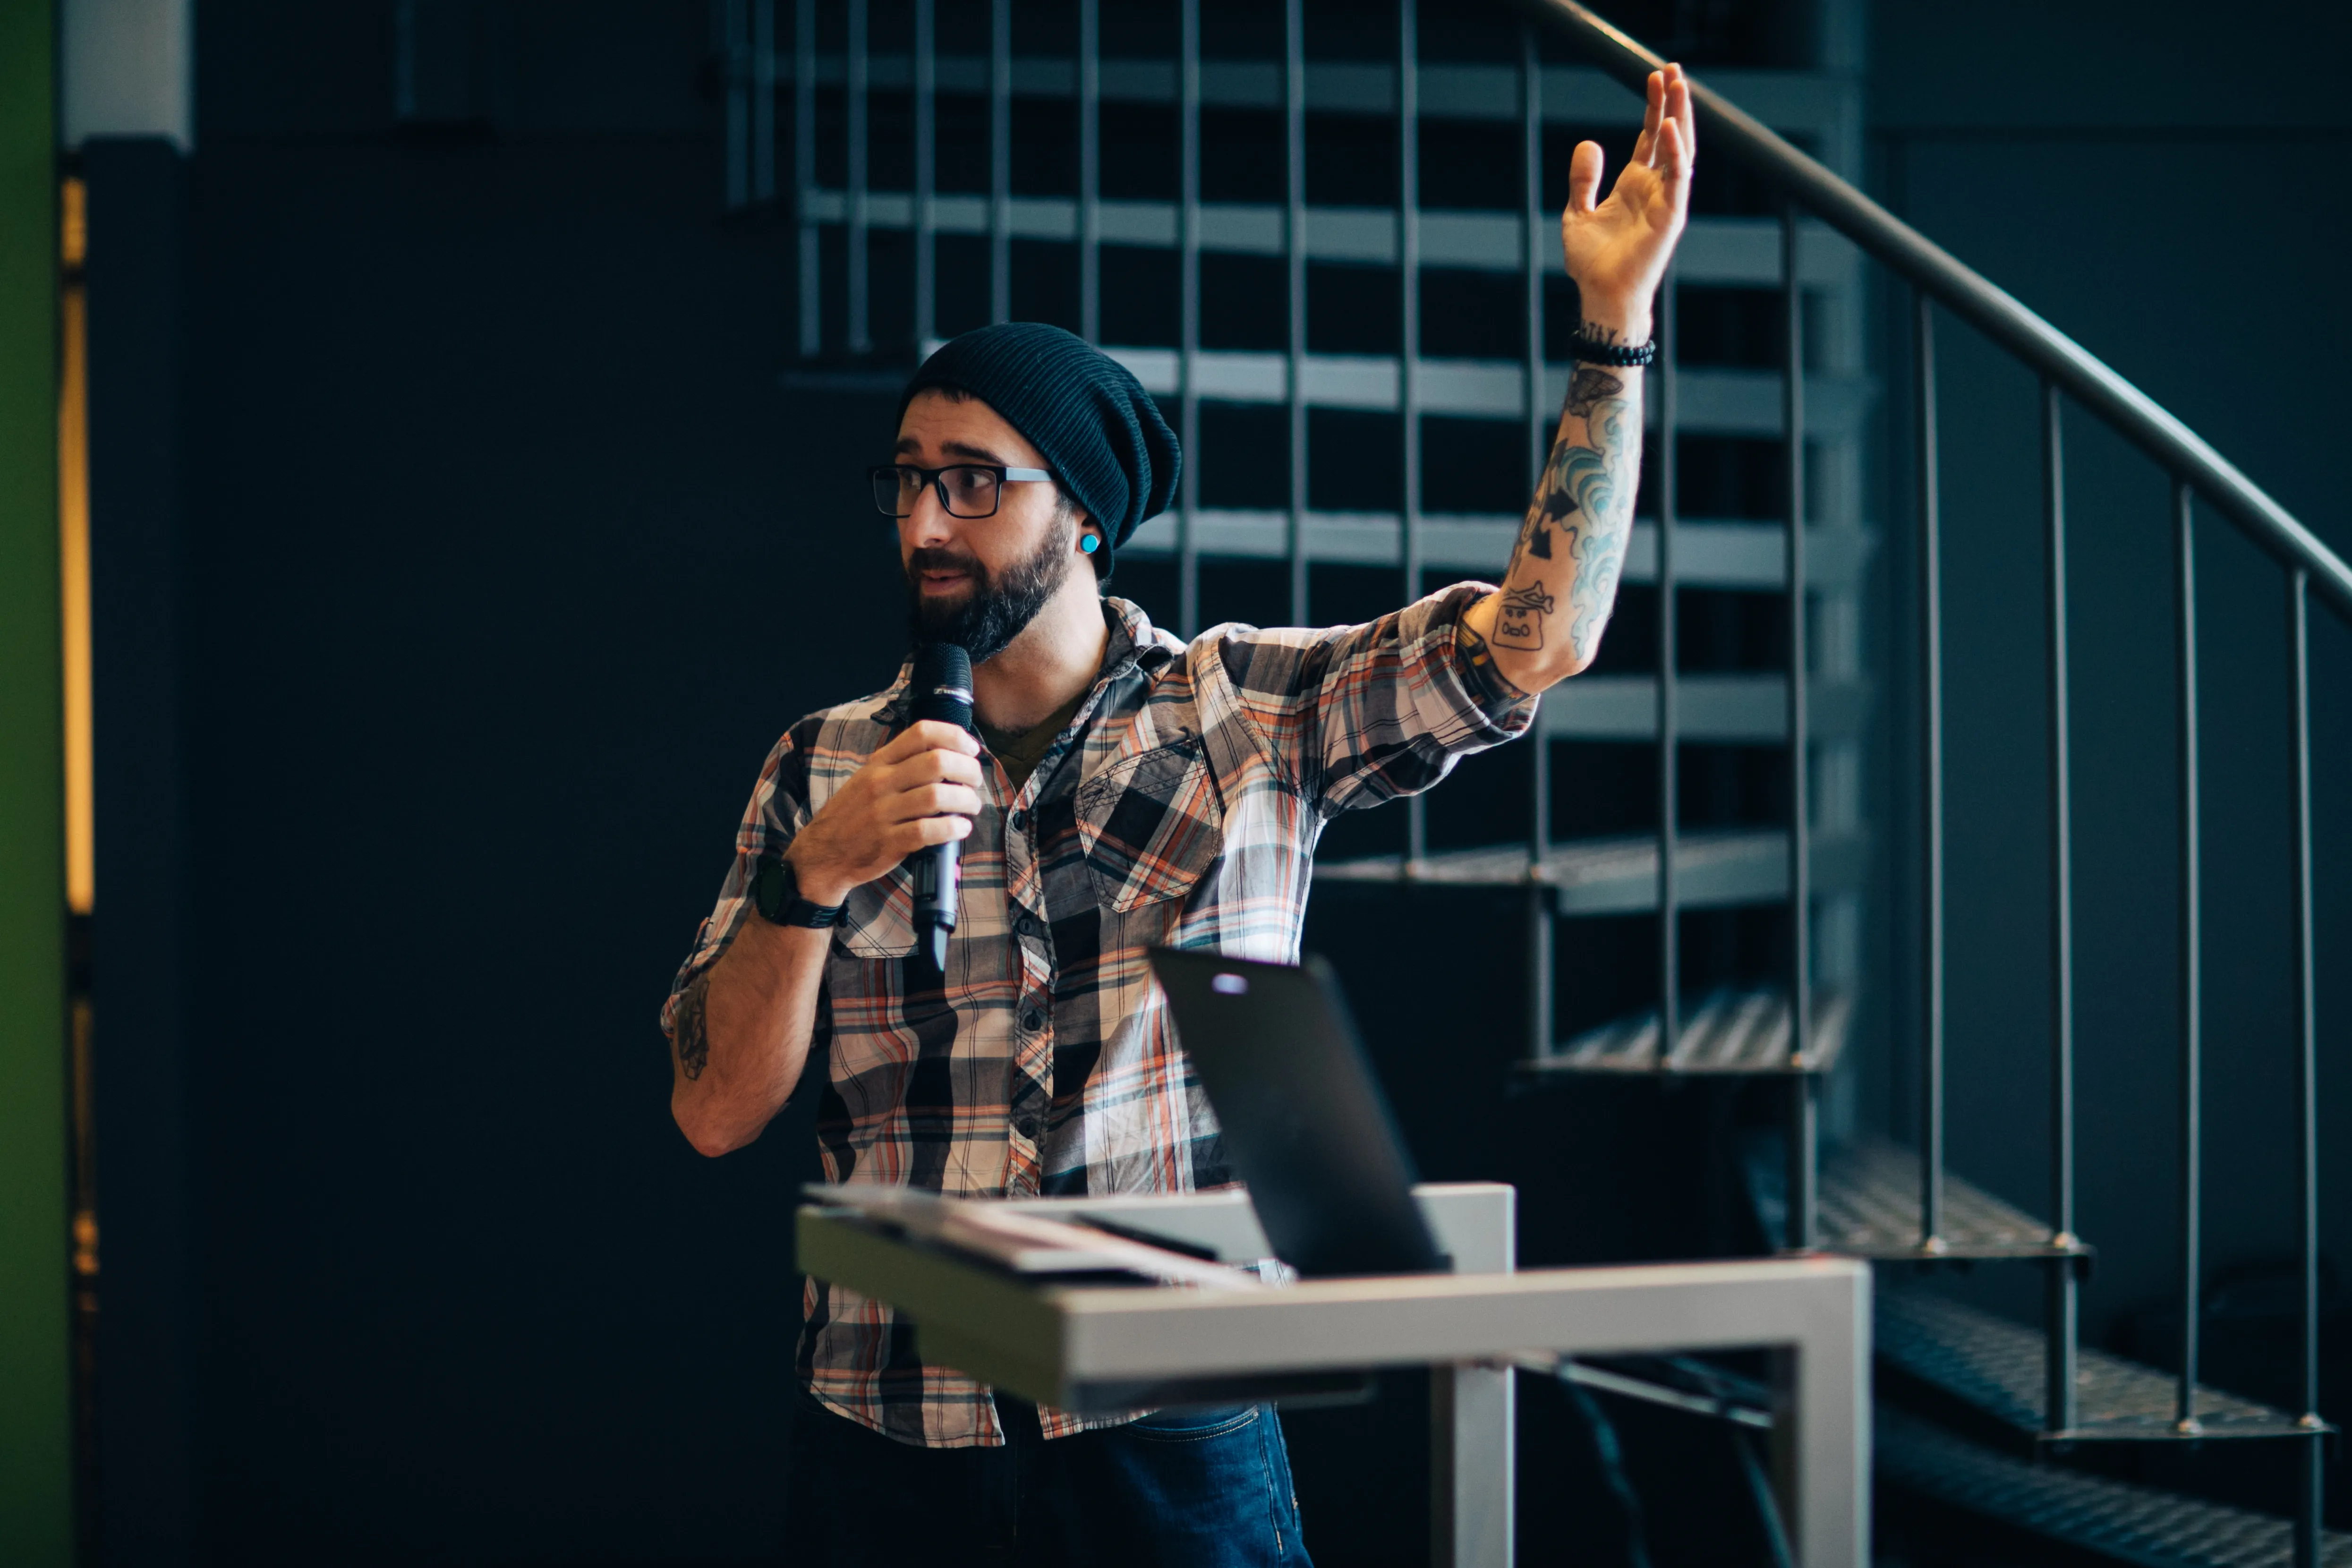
point(1089, 542)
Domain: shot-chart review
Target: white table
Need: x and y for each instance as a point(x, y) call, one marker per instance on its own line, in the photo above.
point(1111, 1347)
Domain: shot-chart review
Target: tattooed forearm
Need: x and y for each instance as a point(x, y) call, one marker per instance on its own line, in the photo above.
point(1588, 386)
point(1595, 592)
point(1571, 545)
point(690, 1038)
point(1519, 617)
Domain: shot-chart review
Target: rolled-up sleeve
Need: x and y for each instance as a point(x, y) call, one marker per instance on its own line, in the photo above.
point(779, 809)
point(1356, 715)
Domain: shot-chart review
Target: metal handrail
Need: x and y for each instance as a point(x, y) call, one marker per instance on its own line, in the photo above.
point(2130, 412)
point(2064, 368)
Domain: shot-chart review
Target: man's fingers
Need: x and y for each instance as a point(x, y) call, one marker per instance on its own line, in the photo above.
point(926, 830)
point(906, 743)
point(928, 735)
point(935, 800)
point(933, 734)
point(928, 767)
point(1653, 91)
point(1679, 109)
point(1584, 177)
point(1673, 163)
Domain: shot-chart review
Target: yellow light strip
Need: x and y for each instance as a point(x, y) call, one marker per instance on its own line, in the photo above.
point(73, 540)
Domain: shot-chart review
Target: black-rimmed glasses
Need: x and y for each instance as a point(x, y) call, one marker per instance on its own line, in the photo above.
point(966, 489)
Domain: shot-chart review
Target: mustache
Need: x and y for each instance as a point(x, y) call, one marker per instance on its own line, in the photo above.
point(931, 559)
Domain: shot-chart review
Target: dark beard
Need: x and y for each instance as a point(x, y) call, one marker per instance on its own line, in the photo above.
point(998, 609)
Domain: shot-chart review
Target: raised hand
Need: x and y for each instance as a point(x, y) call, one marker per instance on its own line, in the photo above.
point(1616, 249)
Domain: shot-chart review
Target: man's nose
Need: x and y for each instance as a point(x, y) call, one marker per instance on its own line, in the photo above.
point(928, 525)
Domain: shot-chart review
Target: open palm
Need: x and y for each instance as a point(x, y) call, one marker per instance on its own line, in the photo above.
point(1617, 249)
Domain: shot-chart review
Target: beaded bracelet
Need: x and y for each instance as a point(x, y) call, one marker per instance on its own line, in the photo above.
point(1591, 351)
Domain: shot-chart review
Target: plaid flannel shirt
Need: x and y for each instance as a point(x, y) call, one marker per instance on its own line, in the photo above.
point(1180, 808)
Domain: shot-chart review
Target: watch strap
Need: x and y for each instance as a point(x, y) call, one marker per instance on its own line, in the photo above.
point(776, 894)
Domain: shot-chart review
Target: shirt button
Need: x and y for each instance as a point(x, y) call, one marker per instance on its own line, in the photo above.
point(1030, 1125)
point(1021, 821)
point(1025, 924)
point(1032, 1020)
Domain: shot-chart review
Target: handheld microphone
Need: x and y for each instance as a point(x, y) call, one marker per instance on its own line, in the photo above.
point(942, 688)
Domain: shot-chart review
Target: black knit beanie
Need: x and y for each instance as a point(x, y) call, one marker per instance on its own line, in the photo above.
point(1096, 427)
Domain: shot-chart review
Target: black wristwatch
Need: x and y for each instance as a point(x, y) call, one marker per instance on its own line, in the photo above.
point(776, 894)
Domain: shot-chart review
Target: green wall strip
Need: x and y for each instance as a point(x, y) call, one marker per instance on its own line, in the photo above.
point(36, 1439)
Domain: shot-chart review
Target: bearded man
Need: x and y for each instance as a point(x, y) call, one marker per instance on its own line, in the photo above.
point(1127, 790)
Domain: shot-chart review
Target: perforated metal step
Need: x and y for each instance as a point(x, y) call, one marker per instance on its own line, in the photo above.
point(1993, 1369)
point(1870, 1205)
point(1729, 1032)
point(2115, 1520)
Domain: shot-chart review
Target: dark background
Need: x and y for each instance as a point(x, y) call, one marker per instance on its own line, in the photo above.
point(460, 555)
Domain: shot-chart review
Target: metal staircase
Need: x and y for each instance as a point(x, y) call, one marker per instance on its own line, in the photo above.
point(1985, 1417)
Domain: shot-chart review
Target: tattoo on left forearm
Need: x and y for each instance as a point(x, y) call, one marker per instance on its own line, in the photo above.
point(1588, 386)
point(1519, 616)
point(691, 1039)
point(1582, 513)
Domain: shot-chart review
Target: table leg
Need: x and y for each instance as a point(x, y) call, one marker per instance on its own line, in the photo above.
point(1471, 1466)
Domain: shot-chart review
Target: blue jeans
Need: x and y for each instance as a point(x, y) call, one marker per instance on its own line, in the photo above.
point(1194, 1489)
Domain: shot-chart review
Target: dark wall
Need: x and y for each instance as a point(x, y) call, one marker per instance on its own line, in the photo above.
point(508, 562)
point(138, 228)
point(501, 560)
point(2176, 200)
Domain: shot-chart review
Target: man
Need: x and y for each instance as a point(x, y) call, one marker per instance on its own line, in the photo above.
point(1126, 791)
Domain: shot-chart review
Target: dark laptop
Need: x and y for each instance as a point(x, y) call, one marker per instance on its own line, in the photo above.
point(1305, 1127)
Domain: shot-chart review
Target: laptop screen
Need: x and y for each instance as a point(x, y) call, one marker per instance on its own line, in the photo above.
point(1305, 1124)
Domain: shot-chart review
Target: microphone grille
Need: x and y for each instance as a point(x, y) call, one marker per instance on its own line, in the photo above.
point(942, 664)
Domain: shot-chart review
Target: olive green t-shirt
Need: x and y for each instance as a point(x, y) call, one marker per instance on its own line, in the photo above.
point(1019, 752)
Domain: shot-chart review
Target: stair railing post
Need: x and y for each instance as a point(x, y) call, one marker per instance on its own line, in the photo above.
point(1541, 424)
point(812, 276)
point(2311, 1477)
point(1931, 779)
point(1188, 353)
point(1089, 170)
point(1408, 352)
point(999, 161)
point(733, 23)
point(1293, 242)
point(1670, 908)
point(2058, 1403)
point(2192, 955)
point(926, 82)
point(763, 100)
point(1802, 1119)
point(859, 336)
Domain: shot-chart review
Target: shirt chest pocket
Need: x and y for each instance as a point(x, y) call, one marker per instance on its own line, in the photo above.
point(1150, 825)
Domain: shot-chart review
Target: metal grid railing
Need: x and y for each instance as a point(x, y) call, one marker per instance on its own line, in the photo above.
point(1784, 252)
point(2198, 473)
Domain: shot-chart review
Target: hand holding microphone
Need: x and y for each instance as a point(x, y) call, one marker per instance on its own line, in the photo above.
point(913, 800)
point(940, 686)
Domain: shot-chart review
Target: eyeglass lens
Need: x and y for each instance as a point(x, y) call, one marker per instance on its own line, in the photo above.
point(969, 491)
